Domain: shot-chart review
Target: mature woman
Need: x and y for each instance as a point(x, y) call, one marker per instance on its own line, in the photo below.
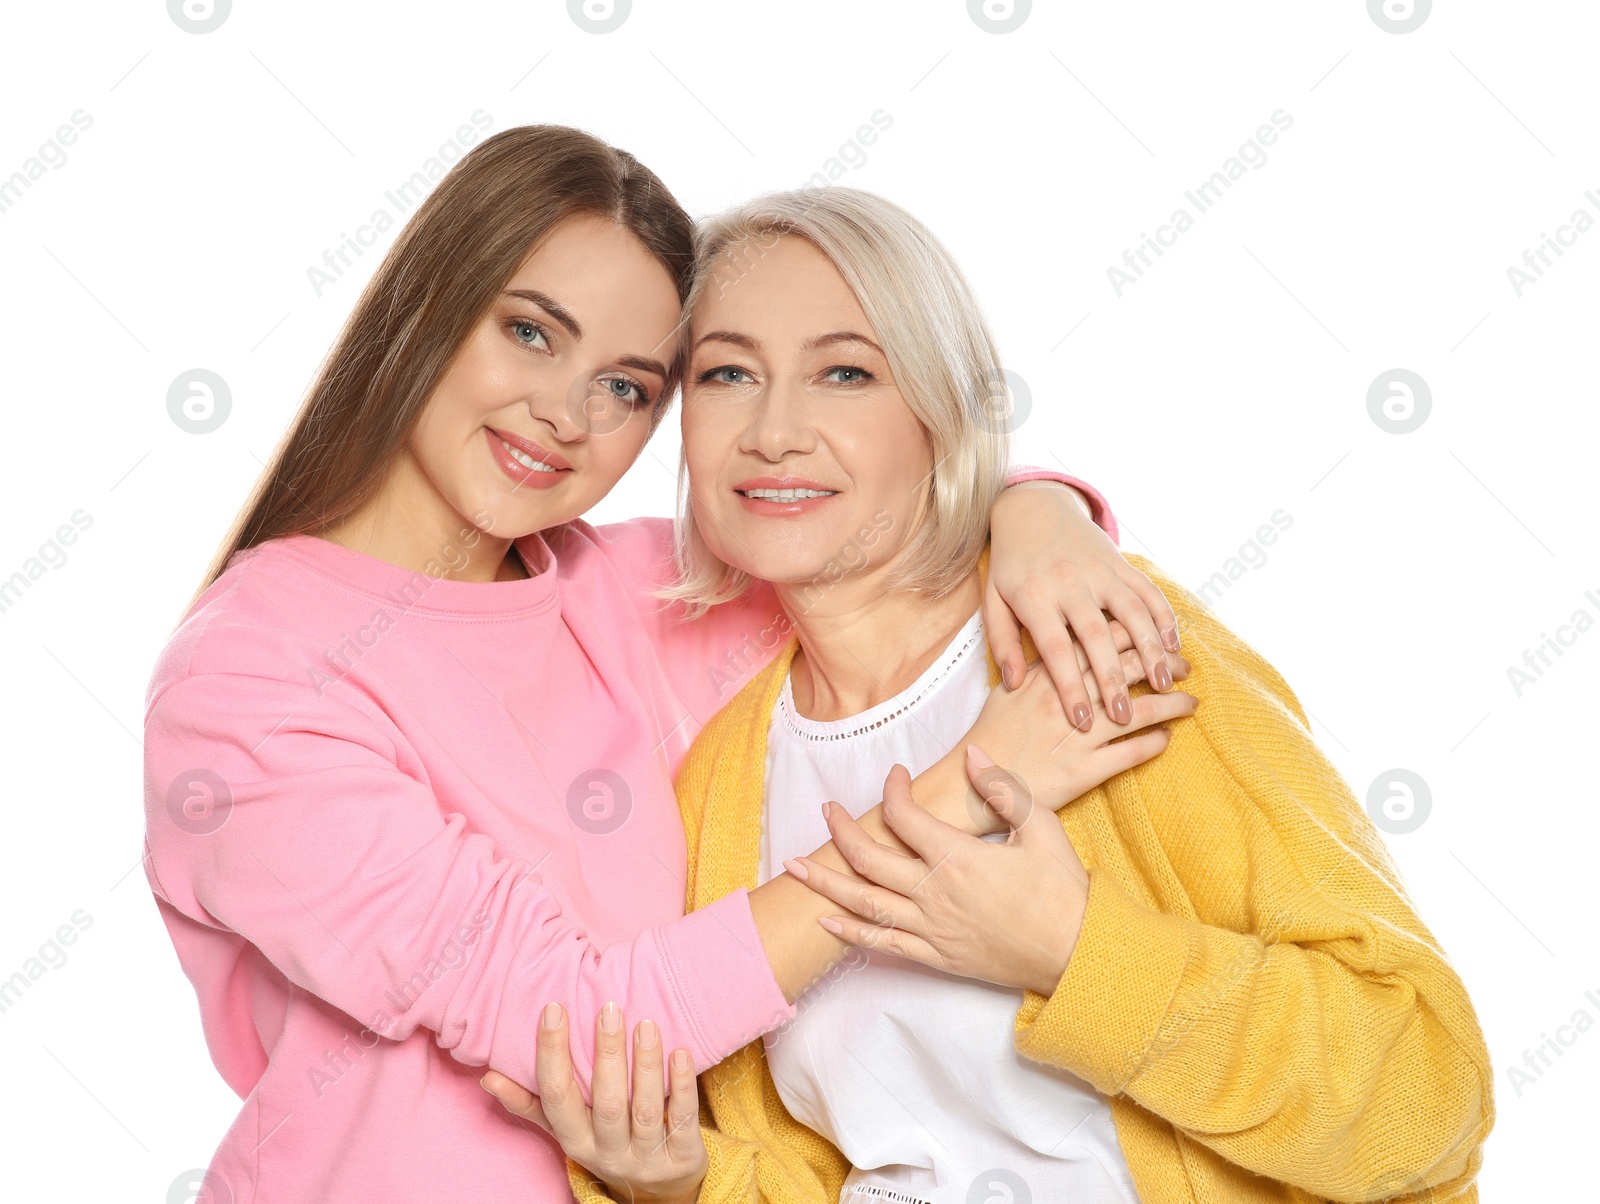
point(409, 754)
point(1205, 983)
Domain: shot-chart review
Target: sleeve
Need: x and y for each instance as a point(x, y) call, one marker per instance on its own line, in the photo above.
point(1284, 1005)
point(312, 842)
point(1099, 508)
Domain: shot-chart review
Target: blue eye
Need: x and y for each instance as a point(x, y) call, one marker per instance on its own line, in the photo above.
point(860, 374)
point(627, 390)
point(529, 334)
point(724, 375)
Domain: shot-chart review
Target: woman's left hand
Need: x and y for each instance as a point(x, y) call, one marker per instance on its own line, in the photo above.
point(1053, 571)
point(643, 1144)
point(1003, 913)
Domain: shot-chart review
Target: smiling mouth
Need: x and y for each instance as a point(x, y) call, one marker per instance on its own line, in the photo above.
point(523, 458)
point(785, 495)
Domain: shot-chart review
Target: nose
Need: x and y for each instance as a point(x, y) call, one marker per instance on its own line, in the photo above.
point(780, 425)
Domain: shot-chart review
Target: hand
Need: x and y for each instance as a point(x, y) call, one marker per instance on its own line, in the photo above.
point(1027, 731)
point(649, 1152)
point(1003, 913)
point(1053, 571)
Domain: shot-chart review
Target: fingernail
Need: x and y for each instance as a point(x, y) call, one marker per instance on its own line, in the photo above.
point(611, 1018)
point(1169, 639)
point(1196, 702)
point(680, 1061)
point(831, 924)
point(1009, 676)
point(1121, 711)
point(1183, 663)
point(1082, 716)
point(647, 1034)
point(1161, 676)
point(797, 867)
point(978, 757)
point(484, 1083)
point(552, 1015)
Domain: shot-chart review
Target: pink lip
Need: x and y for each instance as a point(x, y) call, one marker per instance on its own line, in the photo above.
point(532, 478)
point(769, 506)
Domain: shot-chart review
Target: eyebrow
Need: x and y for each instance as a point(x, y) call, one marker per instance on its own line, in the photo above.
point(821, 340)
point(841, 336)
point(728, 336)
point(551, 306)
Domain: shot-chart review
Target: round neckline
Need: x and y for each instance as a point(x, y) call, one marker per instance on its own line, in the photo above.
point(413, 590)
point(955, 653)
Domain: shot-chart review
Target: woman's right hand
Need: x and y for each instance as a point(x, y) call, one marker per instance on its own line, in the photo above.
point(1027, 731)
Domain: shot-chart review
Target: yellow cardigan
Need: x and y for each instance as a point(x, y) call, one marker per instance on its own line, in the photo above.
point(1251, 986)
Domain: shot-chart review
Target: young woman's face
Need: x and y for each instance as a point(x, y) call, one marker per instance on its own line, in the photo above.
point(549, 399)
point(788, 390)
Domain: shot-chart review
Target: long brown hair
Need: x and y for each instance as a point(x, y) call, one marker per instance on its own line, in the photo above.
point(446, 267)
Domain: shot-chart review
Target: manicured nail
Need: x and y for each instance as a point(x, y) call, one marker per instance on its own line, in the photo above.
point(1161, 676)
point(1009, 676)
point(1184, 665)
point(647, 1034)
point(552, 1015)
point(831, 924)
point(798, 868)
point(1121, 711)
point(611, 1018)
point(1082, 716)
point(680, 1061)
point(978, 757)
point(1169, 639)
point(1196, 702)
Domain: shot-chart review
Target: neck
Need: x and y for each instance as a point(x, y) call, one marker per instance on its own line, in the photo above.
point(408, 523)
point(860, 644)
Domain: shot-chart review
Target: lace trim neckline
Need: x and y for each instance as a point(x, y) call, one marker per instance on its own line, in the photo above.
point(828, 730)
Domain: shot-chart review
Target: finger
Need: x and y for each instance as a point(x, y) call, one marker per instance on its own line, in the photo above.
point(649, 1102)
point(926, 835)
point(1106, 763)
point(872, 859)
point(1129, 607)
point(875, 904)
point(683, 1110)
point(1120, 639)
point(1005, 638)
point(883, 939)
point(609, 1090)
point(1066, 664)
point(515, 1099)
point(558, 1089)
point(1094, 633)
point(1151, 709)
point(1156, 604)
point(1007, 797)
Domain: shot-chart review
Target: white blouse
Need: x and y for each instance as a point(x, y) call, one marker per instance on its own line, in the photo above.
point(911, 1072)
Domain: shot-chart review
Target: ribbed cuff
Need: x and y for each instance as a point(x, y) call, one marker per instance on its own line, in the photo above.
point(724, 982)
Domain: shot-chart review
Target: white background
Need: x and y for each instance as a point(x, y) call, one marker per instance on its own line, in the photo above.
point(1230, 382)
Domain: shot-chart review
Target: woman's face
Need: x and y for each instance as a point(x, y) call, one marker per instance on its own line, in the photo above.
point(548, 401)
point(788, 390)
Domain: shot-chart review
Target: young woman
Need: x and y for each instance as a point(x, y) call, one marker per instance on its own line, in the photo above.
point(409, 754)
point(1205, 983)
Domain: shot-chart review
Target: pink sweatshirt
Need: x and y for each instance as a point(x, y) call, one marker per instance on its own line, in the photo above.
point(390, 817)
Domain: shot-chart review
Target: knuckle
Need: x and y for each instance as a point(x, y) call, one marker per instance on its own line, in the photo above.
point(609, 1110)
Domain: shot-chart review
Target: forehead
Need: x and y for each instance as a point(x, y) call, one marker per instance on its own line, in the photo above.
point(600, 271)
point(789, 287)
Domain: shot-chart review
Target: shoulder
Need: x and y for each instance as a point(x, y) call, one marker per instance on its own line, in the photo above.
point(265, 617)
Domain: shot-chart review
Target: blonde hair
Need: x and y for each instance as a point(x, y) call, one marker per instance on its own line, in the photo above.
point(938, 347)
